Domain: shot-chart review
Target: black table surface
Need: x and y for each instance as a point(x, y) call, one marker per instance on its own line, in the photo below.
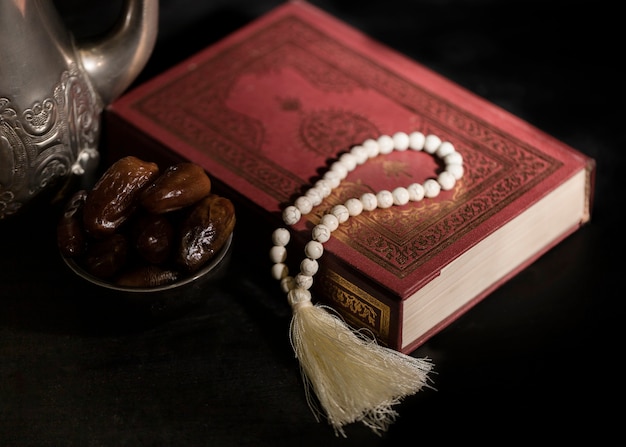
point(536, 360)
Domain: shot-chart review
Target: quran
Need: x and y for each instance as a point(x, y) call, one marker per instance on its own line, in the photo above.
point(267, 108)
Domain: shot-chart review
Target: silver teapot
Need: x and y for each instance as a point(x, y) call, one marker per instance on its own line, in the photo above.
point(54, 89)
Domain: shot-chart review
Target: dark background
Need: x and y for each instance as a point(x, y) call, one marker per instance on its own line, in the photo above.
point(538, 360)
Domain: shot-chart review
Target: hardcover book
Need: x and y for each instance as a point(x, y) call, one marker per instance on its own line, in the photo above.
point(266, 110)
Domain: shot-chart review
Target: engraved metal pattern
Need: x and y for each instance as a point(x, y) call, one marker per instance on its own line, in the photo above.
point(53, 89)
point(41, 145)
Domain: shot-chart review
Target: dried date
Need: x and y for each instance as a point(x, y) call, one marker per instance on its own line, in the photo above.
point(179, 186)
point(113, 198)
point(106, 257)
point(154, 238)
point(205, 231)
point(147, 276)
point(141, 228)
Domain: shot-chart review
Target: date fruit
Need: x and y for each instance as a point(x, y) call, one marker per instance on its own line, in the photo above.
point(155, 238)
point(205, 231)
point(142, 227)
point(105, 257)
point(113, 198)
point(147, 276)
point(180, 185)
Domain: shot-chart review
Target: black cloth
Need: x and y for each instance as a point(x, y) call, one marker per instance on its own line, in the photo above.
point(537, 360)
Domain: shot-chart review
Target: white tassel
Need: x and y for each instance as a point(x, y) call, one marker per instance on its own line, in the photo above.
point(354, 378)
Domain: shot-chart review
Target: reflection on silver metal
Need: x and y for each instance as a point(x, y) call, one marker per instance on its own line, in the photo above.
point(159, 302)
point(53, 91)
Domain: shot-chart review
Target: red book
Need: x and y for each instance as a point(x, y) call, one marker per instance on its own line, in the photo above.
point(267, 108)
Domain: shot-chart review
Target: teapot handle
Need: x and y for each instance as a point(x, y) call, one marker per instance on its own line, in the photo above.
point(113, 62)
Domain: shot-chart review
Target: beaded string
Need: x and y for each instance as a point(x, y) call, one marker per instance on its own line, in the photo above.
point(354, 378)
point(298, 287)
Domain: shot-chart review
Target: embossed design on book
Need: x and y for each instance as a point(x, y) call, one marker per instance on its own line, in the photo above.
point(500, 168)
point(358, 307)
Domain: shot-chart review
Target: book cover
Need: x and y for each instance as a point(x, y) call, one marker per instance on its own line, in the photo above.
point(267, 108)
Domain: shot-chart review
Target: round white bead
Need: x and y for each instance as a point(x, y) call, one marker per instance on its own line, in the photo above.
point(313, 249)
point(346, 167)
point(455, 170)
point(432, 143)
point(287, 283)
point(281, 236)
point(369, 201)
point(354, 206)
point(320, 233)
point(348, 160)
point(372, 147)
point(446, 180)
point(314, 195)
point(278, 253)
point(332, 178)
point(291, 215)
point(385, 142)
point(400, 141)
point(384, 198)
point(416, 141)
point(360, 154)
point(324, 187)
point(416, 192)
point(279, 270)
point(298, 295)
point(431, 188)
point(445, 148)
point(309, 266)
point(453, 159)
point(341, 213)
point(340, 169)
point(303, 281)
point(304, 204)
point(330, 221)
point(400, 196)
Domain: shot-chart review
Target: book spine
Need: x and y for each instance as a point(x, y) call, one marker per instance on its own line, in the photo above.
point(359, 304)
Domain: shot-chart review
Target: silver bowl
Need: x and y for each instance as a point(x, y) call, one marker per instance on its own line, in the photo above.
point(139, 305)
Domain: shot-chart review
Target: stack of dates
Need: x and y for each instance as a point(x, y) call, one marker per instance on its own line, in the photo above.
point(143, 227)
